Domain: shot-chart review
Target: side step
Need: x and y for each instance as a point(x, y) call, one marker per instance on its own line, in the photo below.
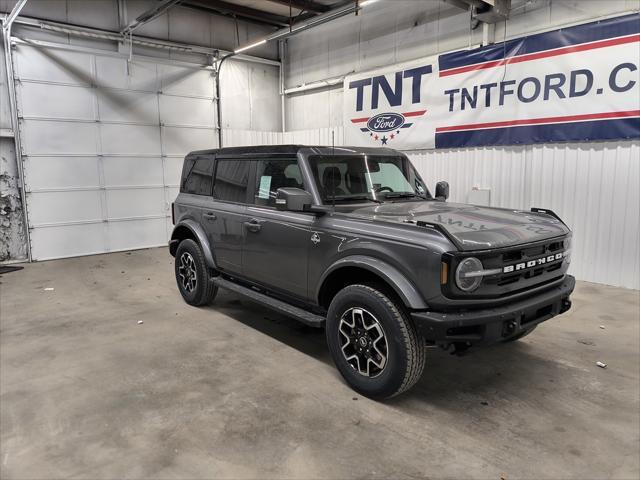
point(299, 314)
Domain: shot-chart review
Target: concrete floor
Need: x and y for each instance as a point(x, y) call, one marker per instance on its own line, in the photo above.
point(236, 391)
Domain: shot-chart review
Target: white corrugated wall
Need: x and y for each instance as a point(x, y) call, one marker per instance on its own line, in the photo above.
point(593, 186)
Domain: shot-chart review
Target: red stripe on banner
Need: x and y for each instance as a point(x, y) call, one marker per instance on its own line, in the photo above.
point(359, 120)
point(534, 121)
point(546, 54)
point(415, 114)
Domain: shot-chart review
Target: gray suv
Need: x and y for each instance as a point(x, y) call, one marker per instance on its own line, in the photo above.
point(351, 239)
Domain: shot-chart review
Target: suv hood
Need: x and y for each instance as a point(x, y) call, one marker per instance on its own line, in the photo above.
point(472, 227)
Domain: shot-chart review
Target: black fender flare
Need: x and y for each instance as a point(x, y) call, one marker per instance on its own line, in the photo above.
point(201, 237)
point(390, 274)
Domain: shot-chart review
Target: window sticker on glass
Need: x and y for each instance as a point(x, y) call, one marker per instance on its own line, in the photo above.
point(265, 186)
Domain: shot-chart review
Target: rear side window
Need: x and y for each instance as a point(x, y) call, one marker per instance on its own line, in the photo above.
point(274, 174)
point(231, 180)
point(198, 176)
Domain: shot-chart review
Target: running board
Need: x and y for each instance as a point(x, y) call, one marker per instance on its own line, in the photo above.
point(299, 314)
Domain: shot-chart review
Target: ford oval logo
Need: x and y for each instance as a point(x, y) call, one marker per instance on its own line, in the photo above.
point(385, 122)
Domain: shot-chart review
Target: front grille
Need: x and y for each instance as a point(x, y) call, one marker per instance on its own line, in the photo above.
point(518, 280)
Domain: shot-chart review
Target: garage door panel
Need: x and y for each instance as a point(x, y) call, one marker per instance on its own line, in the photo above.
point(99, 167)
point(186, 81)
point(112, 72)
point(139, 202)
point(187, 111)
point(151, 232)
point(60, 207)
point(53, 65)
point(172, 193)
point(127, 106)
point(56, 101)
point(53, 172)
point(130, 139)
point(173, 170)
point(54, 137)
point(67, 241)
point(180, 141)
point(132, 171)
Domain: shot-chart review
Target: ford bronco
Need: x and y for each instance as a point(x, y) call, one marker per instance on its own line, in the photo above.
point(351, 239)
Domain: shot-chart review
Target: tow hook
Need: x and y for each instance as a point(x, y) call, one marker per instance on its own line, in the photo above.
point(509, 327)
point(459, 349)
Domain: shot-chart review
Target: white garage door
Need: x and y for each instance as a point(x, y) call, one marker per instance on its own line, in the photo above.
point(103, 145)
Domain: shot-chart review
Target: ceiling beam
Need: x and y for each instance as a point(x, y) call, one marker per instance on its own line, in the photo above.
point(306, 5)
point(149, 15)
point(240, 11)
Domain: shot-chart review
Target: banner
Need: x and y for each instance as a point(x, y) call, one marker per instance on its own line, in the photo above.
point(575, 84)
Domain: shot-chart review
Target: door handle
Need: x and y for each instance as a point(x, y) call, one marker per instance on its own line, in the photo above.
point(253, 225)
point(209, 216)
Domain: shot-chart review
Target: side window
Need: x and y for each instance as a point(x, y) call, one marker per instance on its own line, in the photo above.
point(198, 176)
point(231, 180)
point(272, 174)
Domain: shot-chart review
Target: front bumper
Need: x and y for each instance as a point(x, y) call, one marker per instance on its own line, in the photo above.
point(494, 324)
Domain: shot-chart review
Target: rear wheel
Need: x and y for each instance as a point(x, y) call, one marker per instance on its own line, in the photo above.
point(192, 274)
point(522, 334)
point(373, 342)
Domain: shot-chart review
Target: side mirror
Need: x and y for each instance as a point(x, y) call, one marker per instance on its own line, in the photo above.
point(293, 199)
point(442, 190)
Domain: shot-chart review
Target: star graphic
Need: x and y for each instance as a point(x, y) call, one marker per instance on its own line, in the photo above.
point(384, 140)
point(392, 136)
point(371, 134)
point(398, 132)
point(375, 137)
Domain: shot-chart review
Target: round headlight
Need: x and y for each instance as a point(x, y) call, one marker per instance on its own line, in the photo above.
point(464, 281)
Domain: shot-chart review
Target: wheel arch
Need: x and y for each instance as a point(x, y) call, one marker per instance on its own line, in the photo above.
point(361, 269)
point(189, 229)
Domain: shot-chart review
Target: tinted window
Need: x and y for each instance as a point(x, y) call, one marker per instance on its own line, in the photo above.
point(198, 176)
point(272, 175)
point(232, 178)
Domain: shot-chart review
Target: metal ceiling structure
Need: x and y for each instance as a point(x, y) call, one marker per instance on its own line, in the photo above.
point(274, 13)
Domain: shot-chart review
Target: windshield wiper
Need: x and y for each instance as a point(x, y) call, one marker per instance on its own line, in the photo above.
point(402, 195)
point(353, 197)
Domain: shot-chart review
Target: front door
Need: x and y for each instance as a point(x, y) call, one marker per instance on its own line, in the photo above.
point(276, 246)
point(224, 216)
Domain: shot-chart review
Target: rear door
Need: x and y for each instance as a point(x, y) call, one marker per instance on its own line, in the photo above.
point(226, 211)
point(277, 243)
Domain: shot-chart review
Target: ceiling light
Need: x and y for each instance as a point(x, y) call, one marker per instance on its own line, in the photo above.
point(242, 49)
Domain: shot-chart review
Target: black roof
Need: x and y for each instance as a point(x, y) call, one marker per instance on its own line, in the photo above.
point(294, 149)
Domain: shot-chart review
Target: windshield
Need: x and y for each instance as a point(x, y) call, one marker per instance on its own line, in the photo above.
point(343, 178)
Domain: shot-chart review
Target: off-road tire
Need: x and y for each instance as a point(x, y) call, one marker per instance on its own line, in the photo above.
point(522, 334)
point(406, 349)
point(205, 290)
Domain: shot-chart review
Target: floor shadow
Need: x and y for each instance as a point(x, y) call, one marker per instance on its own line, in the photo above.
point(308, 340)
point(455, 383)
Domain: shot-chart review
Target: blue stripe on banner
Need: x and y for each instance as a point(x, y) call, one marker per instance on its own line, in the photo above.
point(589, 32)
point(407, 125)
point(564, 132)
point(364, 129)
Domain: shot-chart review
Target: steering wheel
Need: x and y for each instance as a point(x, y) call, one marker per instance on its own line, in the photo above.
point(382, 189)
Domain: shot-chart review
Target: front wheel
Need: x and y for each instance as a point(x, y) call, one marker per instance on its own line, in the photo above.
point(373, 343)
point(192, 274)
